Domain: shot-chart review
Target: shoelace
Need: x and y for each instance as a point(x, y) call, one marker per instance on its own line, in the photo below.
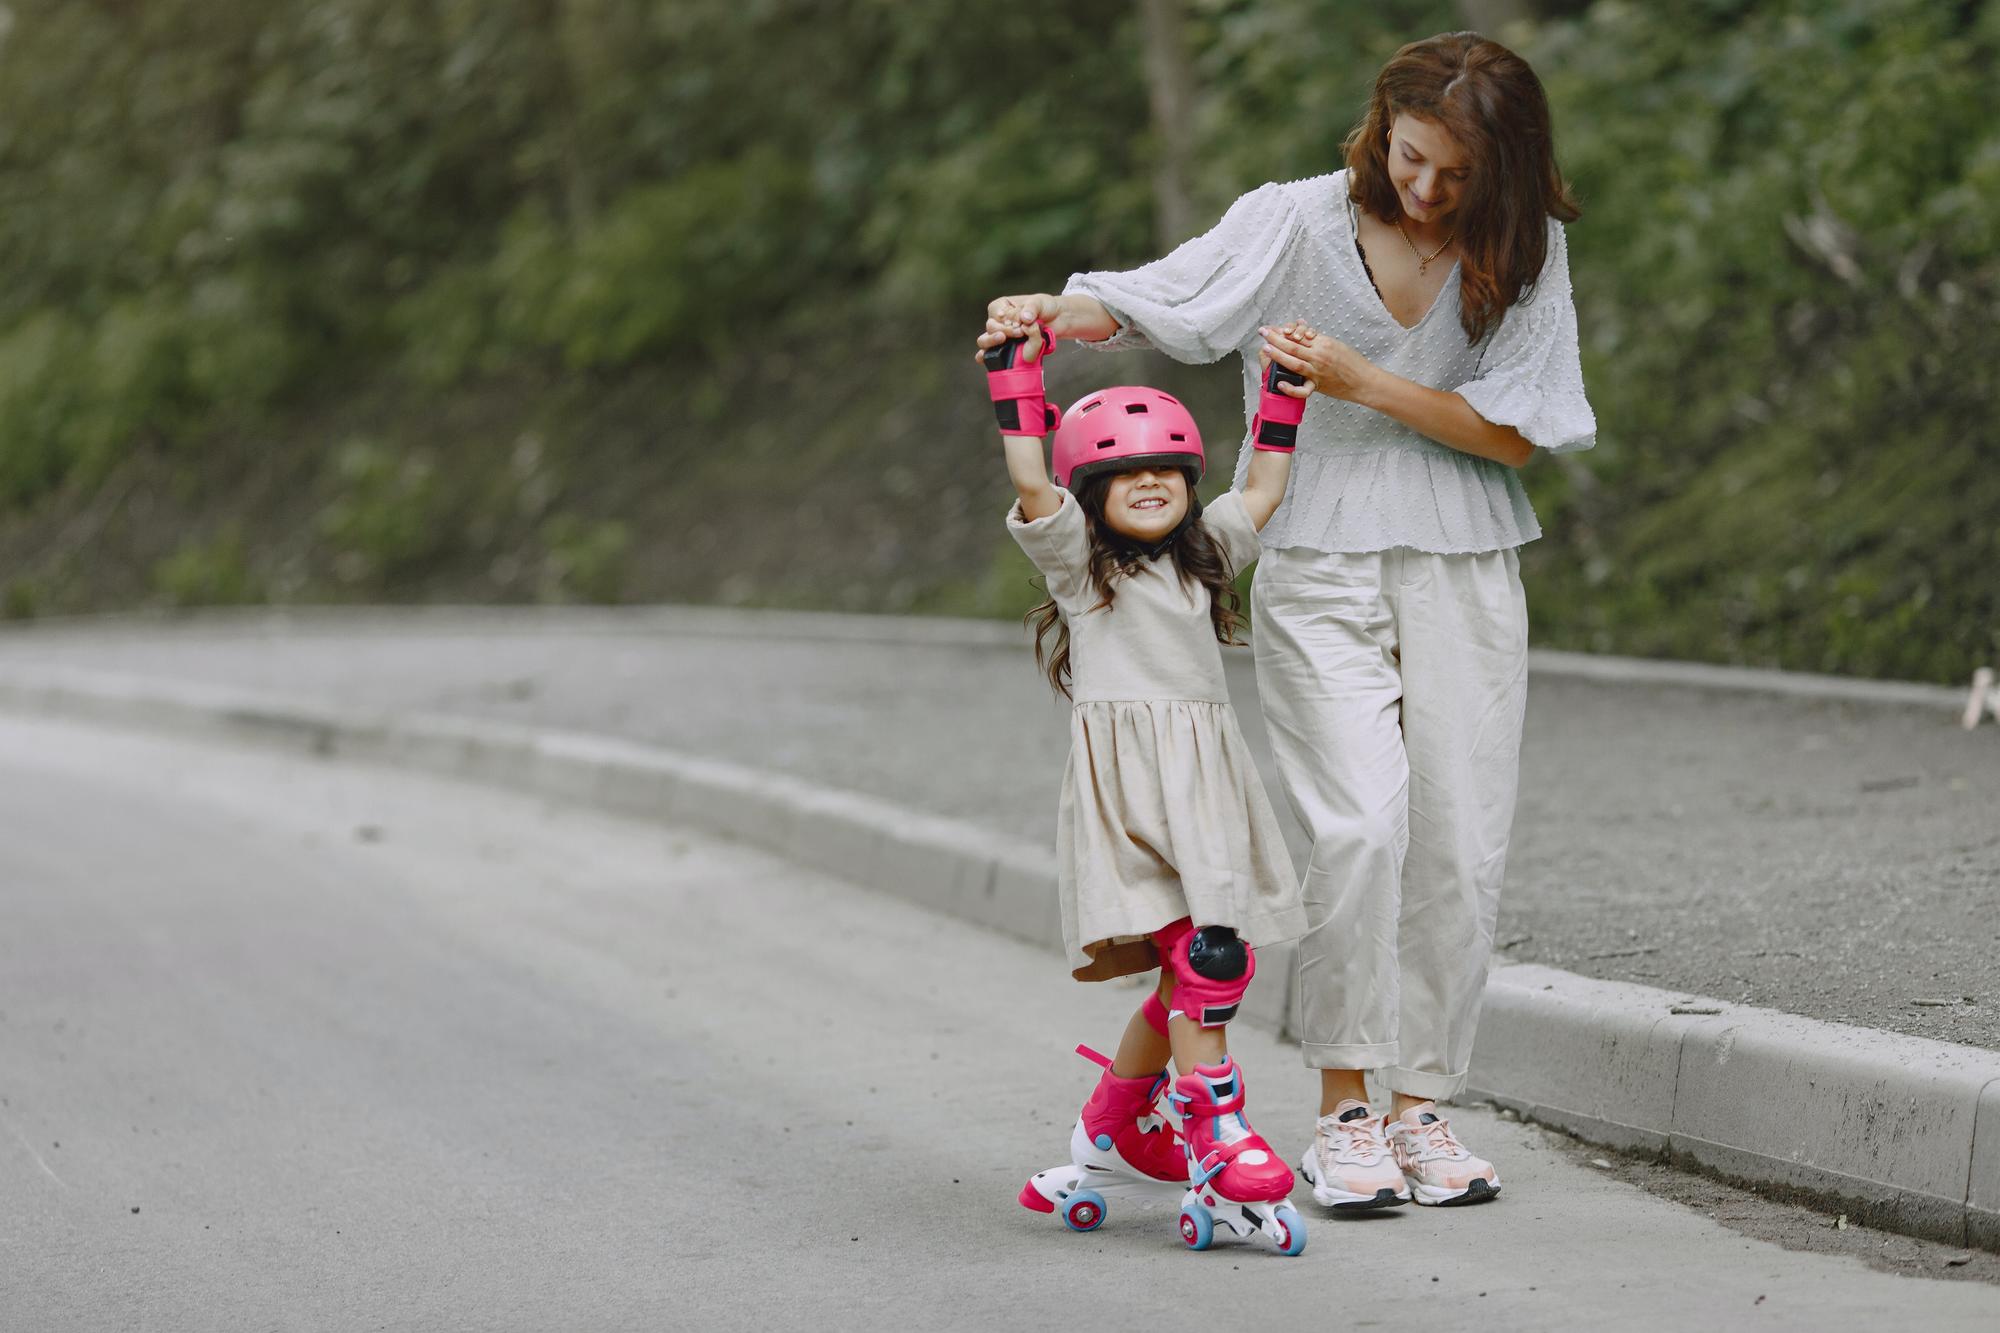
point(1360, 1141)
point(1435, 1140)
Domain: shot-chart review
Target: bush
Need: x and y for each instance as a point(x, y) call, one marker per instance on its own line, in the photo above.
point(387, 519)
point(216, 572)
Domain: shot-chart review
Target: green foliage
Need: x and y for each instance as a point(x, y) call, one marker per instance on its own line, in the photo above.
point(386, 520)
point(220, 217)
point(586, 559)
point(1784, 275)
point(649, 277)
point(216, 572)
point(21, 599)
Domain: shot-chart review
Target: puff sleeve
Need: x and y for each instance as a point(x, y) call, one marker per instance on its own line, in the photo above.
point(1202, 302)
point(1059, 546)
point(1530, 376)
point(1229, 523)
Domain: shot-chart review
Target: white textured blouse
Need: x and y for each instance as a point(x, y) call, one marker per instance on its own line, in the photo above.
point(1361, 480)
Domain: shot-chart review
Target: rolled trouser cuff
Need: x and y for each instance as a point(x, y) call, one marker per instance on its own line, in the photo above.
point(1423, 1083)
point(1320, 1055)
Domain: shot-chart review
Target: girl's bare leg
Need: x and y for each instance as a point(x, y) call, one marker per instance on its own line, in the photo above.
point(1141, 1051)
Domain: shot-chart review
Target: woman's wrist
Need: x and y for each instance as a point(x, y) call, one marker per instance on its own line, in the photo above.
point(1083, 318)
point(1377, 389)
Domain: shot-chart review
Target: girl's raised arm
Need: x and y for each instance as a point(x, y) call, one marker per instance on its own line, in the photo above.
point(1014, 381)
point(1030, 475)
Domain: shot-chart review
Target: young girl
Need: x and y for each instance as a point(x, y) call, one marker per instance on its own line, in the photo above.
point(1168, 851)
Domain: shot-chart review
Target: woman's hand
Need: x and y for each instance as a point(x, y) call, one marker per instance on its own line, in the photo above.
point(1016, 316)
point(1078, 317)
point(1330, 366)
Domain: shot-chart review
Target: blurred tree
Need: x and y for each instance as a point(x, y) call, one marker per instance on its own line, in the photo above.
point(219, 221)
point(1170, 92)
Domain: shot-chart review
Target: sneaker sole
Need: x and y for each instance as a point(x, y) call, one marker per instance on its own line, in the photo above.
point(1478, 1191)
point(1346, 1202)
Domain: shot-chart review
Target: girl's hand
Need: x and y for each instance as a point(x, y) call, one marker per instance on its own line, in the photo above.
point(1329, 365)
point(1032, 350)
point(1016, 316)
point(1297, 331)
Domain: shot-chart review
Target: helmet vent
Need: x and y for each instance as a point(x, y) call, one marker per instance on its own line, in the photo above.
point(1090, 406)
point(1131, 408)
point(1179, 438)
point(1106, 444)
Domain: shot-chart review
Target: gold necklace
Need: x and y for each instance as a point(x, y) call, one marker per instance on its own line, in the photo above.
point(1423, 262)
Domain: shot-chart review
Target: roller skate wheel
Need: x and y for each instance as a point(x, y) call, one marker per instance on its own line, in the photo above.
point(1291, 1236)
point(1197, 1227)
point(1084, 1211)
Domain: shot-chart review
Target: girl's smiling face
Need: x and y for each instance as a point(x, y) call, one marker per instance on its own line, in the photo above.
point(1428, 169)
point(1146, 504)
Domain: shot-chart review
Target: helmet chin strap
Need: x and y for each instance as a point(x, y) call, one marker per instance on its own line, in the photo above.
point(1188, 520)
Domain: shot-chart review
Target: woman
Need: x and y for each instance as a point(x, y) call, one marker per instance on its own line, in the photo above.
point(1391, 637)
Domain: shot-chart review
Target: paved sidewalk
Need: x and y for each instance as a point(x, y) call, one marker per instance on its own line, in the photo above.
point(331, 1045)
point(1833, 859)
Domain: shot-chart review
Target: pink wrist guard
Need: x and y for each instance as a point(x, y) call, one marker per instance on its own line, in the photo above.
point(1019, 402)
point(1276, 425)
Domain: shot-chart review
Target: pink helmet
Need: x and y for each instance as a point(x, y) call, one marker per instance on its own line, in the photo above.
point(1117, 430)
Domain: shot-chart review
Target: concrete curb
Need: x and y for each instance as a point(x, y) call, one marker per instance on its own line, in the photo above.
point(940, 631)
point(1900, 1131)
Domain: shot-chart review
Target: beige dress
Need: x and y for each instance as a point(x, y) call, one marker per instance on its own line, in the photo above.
point(1163, 813)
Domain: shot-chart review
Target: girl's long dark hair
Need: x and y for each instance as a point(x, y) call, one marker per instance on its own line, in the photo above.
point(1198, 558)
point(1492, 105)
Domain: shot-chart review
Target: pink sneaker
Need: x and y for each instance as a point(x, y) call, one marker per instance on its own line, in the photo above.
point(1349, 1165)
point(1438, 1167)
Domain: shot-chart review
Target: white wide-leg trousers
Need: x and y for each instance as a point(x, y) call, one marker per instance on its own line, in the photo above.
point(1394, 685)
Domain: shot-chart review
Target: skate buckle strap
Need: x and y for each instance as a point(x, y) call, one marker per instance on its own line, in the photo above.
point(1207, 1169)
point(1102, 1061)
point(1224, 1105)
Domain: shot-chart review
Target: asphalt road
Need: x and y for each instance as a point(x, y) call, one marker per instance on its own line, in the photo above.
point(296, 1044)
point(1827, 859)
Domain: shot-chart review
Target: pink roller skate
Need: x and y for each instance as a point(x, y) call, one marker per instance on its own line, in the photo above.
point(1234, 1178)
point(1123, 1147)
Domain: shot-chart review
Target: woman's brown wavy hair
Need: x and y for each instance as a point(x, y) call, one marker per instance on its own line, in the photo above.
point(1198, 558)
point(1492, 105)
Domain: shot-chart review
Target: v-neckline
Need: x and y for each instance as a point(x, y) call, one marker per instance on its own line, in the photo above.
point(1354, 235)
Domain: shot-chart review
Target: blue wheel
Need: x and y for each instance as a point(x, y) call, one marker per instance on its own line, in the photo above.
point(1293, 1228)
point(1084, 1210)
point(1198, 1227)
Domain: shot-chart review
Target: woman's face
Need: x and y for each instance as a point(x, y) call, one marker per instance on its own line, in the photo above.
point(1147, 504)
point(1428, 169)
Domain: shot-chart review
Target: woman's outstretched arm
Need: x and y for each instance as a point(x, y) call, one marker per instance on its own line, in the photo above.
point(1079, 318)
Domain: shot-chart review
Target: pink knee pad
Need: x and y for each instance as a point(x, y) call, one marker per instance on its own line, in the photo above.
point(1212, 968)
point(1155, 1013)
